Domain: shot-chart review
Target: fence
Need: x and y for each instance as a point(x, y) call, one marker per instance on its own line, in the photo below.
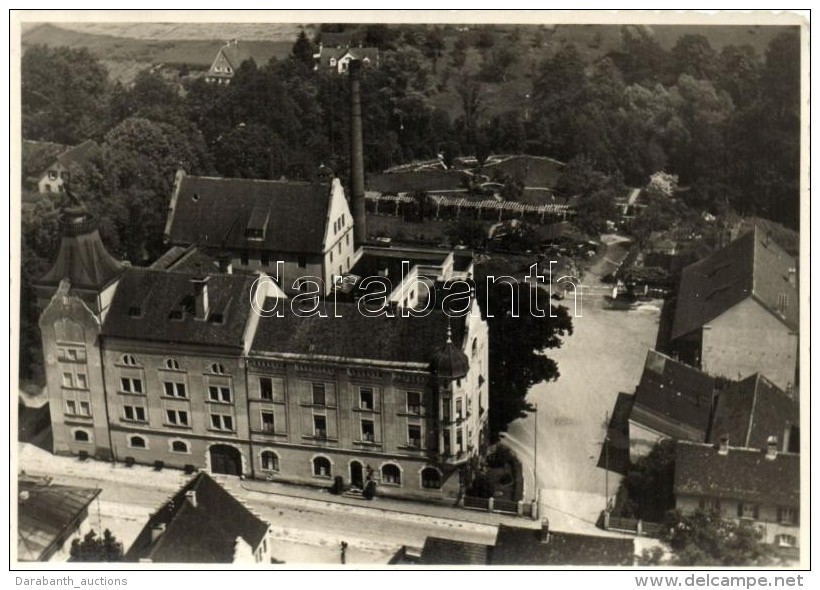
point(519, 508)
point(632, 525)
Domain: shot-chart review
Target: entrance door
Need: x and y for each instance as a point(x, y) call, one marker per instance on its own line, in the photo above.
point(226, 460)
point(356, 475)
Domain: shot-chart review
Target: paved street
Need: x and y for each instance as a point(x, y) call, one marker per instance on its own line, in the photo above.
point(603, 357)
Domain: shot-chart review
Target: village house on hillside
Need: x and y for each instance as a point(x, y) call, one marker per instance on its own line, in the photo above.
point(758, 485)
point(202, 523)
point(253, 224)
point(337, 59)
point(231, 55)
point(52, 179)
point(737, 312)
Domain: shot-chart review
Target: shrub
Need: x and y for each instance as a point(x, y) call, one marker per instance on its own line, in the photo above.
point(481, 487)
point(500, 457)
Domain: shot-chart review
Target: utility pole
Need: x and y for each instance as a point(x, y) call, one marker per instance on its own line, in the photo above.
point(606, 462)
point(535, 453)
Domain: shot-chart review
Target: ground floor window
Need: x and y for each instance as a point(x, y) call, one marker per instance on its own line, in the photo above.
point(81, 436)
point(321, 466)
point(391, 474)
point(430, 478)
point(785, 541)
point(137, 442)
point(270, 461)
point(179, 446)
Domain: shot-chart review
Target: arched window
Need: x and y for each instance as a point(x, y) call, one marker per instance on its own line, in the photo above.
point(137, 442)
point(430, 478)
point(321, 466)
point(179, 446)
point(391, 474)
point(217, 369)
point(172, 363)
point(270, 461)
point(81, 436)
point(129, 359)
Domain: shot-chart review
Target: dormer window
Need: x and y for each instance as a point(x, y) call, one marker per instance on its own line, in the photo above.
point(254, 234)
point(216, 318)
point(135, 312)
point(129, 359)
point(217, 369)
point(172, 363)
point(52, 175)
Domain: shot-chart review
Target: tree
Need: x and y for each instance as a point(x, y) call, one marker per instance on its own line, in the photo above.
point(596, 192)
point(93, 548)
point(518, 342)
point(694, 56)
point(250, 151)
point(705, 539)
point(63, 95)
point(303, 50)
point(467, 232)
point(458, 55)
point(649, 483)
point(433, 45)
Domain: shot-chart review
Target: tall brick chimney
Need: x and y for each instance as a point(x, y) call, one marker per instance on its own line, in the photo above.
point(357, 154)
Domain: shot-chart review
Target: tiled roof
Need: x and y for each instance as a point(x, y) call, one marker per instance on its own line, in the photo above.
point(158, 305)
point(751, 266)
point(215, 212)
point(78, 154)
point(45, 513)
point(742, 474)
point(201, 533)
point(678, 392)
point(438, 551)
point(259, 51)
point(751, 411)
point(523, 546)
point(355, 336)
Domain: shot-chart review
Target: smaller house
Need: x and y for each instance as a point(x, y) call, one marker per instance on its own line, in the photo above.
point(672, 400)
point(202, 523)
point(337, 59)
point(58, 173)
point(761, 486)
point(231, 55)
point(49, 516)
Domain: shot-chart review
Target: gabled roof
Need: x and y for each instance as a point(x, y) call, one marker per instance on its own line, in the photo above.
point(158, 305)
point(751, 266)
point(46, 516)
point(679, 393)
point(79, 154)
point(751, 411)
point(523, 546)
point(355, 336)
point(438, 551)
point(741, 474)
point(202, 532)
point(259, 51)
point(216, 212)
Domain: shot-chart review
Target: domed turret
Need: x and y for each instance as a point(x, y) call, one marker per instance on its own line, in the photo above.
point(450, 361)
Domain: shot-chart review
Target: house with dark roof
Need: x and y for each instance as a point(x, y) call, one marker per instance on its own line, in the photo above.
point(748, 413)
point(52, 179)
point(672, 400)
point(761, 486)
point(49, 516)
point(191, 364)
point(517, 546)
point(337, 59)
point(737, 312)
point(231, 55)
point(293, 231)
point(202, 523)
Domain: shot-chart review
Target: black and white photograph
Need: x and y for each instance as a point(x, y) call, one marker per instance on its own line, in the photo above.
point(400, 290)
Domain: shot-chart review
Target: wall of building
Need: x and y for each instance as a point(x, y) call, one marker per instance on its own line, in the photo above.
point(749, 339)
point(641, 440)
point(52, 179)
point(339, 243)
point(767, 516)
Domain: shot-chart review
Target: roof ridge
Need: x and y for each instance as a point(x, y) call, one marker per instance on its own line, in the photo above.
point(253, 180)
point(752, 411)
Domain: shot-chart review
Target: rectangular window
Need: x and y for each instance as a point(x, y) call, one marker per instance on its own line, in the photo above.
point(131, 385)
point(302, 262)
point(70, 407)
point(68, 380)
point(219, 394)
point(82, 381)
point(85, 408)
point(786, 515)
point(72, 354)
point(445, 409)
point(366, 398)
point(368, 431)
point(347, 240)
point(459, 409)
point(414, 435)
point(135, 413)
point(266, 388)
point(459, 440)
point(177, 417)
point(320, 427)
point(221, 422)
point(318, 394)
point(331, 255)
point(414, 402)
point(746, 510)
point(267, 421)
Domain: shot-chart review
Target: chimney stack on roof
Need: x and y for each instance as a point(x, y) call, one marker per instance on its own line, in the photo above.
point(357, 154)
point(771, 447)
point(190, 495)
point(200, 298)
point(793, 276)
point(723, 449)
